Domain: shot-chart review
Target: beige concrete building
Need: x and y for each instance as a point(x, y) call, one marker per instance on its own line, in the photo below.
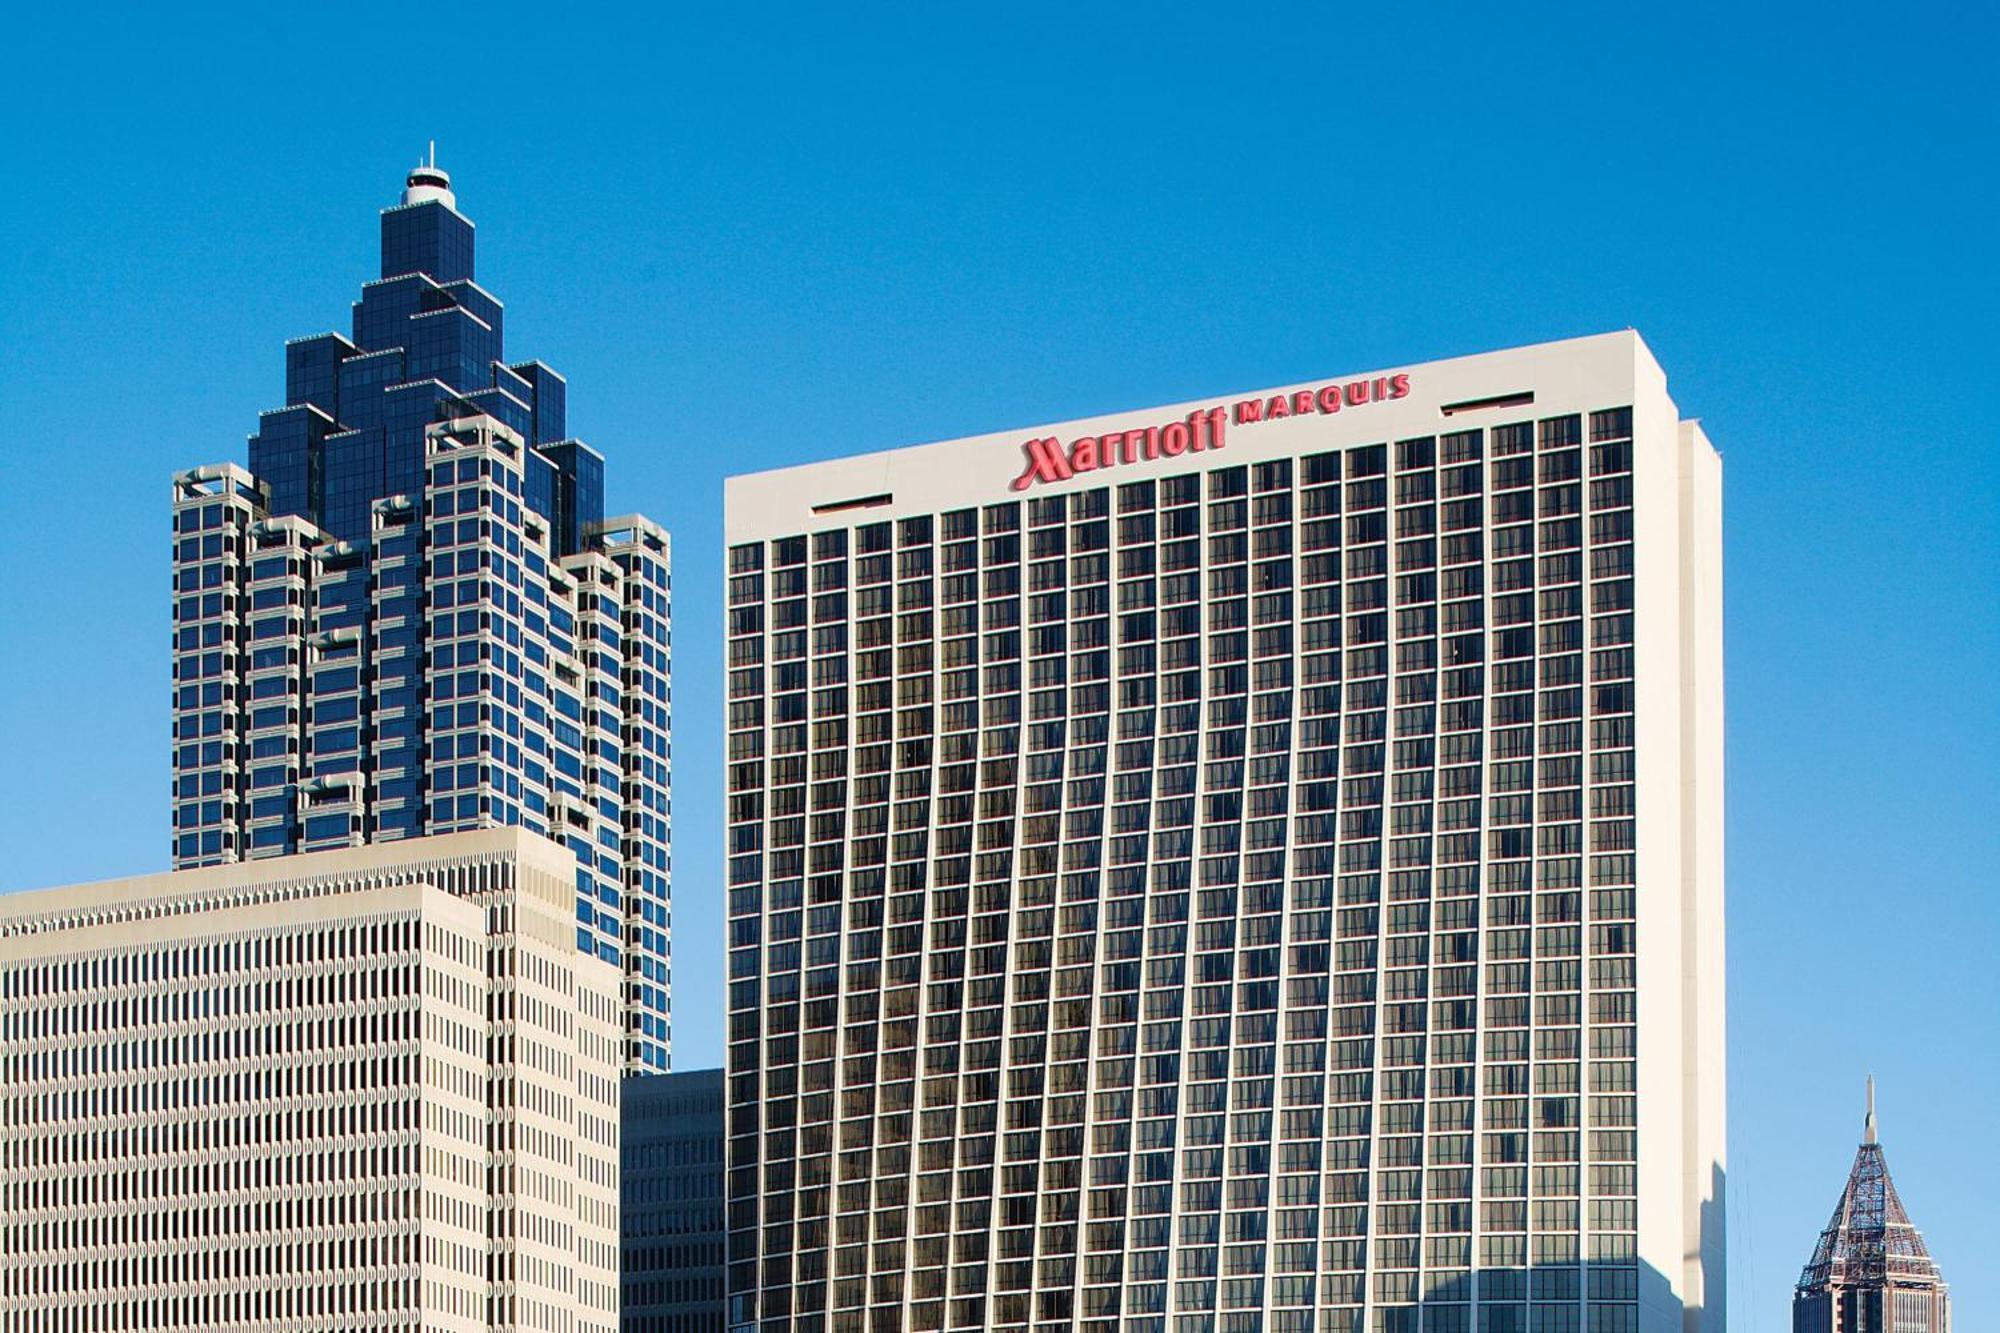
point(373, 1088)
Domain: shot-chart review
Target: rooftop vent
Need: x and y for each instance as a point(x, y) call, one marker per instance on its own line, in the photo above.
point(1522, 399)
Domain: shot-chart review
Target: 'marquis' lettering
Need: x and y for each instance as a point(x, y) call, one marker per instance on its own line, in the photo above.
point(1326, 398)
point(1049, 459)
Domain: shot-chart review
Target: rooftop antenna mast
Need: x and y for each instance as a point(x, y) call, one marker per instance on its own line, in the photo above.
point(1869, 1124)
point(426, 183)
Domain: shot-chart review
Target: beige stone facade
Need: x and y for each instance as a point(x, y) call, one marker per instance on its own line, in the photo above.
point(374, 1088)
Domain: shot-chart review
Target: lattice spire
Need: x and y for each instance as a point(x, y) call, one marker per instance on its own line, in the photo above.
point(1869, 1237)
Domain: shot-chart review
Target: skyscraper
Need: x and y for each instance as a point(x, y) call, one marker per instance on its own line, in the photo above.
point(1870, 1271)
point(410, 615)
point(1251, 864)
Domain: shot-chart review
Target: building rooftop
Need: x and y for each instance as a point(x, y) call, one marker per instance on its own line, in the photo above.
point(1870, 1238)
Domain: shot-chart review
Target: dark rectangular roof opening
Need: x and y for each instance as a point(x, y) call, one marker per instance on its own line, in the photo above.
point(865, 502)
point(1522, 399)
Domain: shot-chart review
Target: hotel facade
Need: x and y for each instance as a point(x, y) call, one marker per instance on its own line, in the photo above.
point(373, 1088)
point(1250, 864)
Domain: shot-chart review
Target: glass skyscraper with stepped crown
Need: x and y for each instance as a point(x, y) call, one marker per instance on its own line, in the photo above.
point(409, 615)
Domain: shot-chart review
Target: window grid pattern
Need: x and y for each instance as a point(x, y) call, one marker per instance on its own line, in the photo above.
point(1207, 899)
point(452, 673)
point(333, 1102)
point(670, 1186)
point(369, 646)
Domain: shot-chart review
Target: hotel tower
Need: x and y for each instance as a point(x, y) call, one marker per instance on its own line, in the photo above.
point(1254, 864)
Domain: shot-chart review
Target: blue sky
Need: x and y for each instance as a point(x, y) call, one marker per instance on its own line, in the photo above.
point(755, 238)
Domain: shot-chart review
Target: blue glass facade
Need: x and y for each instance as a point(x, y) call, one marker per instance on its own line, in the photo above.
point(411, 616)
point(426, 346)
point(670, 1181)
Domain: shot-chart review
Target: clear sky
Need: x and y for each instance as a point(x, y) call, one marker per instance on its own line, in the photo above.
point(757, 236)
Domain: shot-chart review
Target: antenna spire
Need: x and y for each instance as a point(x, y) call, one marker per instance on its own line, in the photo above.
point(1868, 1126)
point(433, 160)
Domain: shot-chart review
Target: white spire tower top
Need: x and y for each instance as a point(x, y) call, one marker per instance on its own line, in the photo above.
point(428, 182)
point(1868, 1126)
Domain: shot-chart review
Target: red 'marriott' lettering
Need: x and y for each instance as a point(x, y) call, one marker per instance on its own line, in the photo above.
point(1046, 462)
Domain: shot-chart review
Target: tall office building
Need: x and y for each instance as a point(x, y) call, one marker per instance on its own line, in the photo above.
point(1871, 1271)
point(372, 1088)
point(410, 616)
point(1252, 864)
point(670, 1187)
